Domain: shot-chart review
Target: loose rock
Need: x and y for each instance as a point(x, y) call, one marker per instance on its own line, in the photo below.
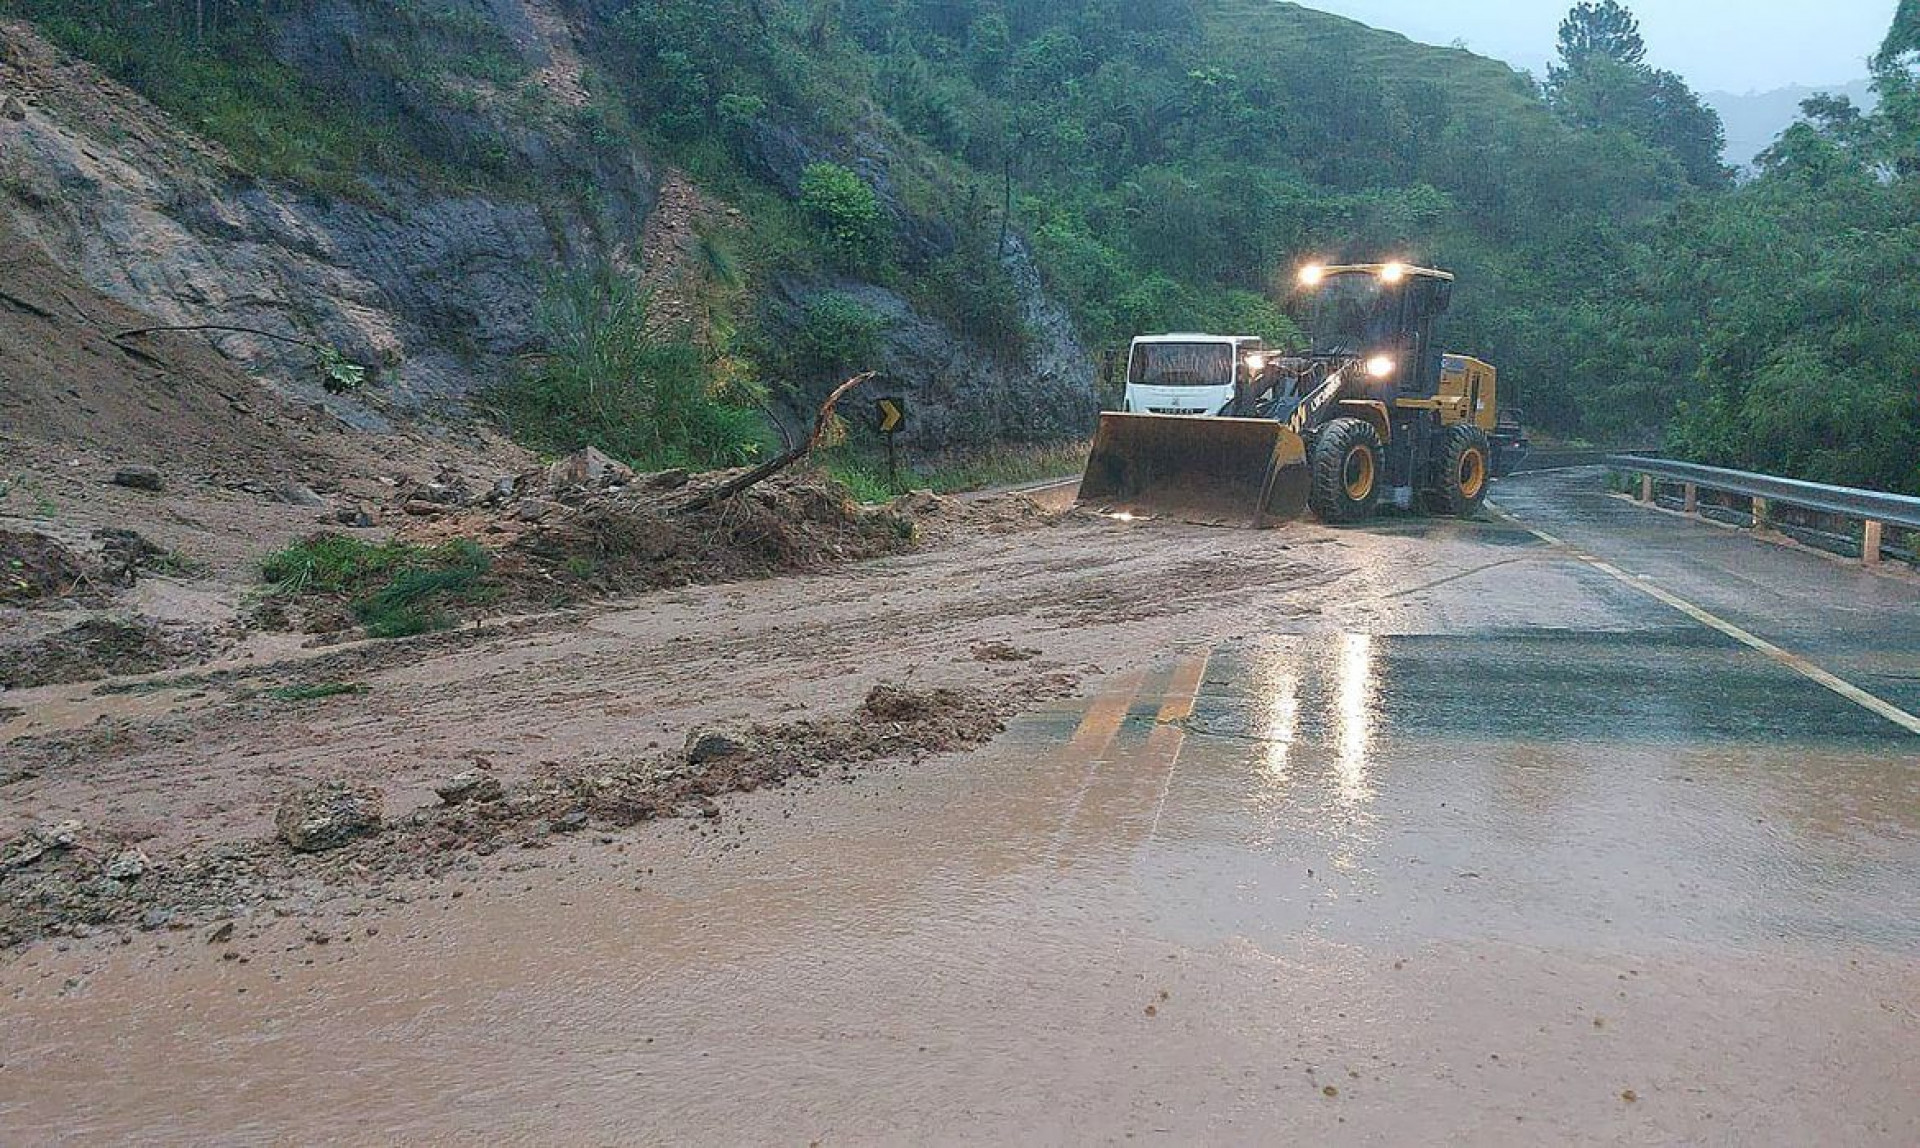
point(589, 467)
point(127, 865)
point(329, 816)
point(473, 785)
point(719, 743)
point(139, 478)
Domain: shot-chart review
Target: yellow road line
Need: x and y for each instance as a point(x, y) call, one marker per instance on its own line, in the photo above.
point(1183, 691)
point(1168, 737)
point(1787, 658)
point(1097, 729)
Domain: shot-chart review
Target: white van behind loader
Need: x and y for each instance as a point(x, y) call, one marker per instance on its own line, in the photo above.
point(1189, 374)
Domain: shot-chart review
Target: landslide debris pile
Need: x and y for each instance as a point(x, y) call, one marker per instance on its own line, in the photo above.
point(98, 648)
point(336, 838)
point(587, 527)
point(37, 569)
point(636, 536)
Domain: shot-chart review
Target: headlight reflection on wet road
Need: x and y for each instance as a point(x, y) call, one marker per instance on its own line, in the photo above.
point(1356, 700)
point(1283, 727)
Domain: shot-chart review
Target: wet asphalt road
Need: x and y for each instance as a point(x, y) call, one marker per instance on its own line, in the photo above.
point(1598, 873)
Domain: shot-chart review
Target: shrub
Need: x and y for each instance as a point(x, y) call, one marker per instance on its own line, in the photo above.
point(608, 381)
point(852, 226)
point(837, 335)
point(973, 292)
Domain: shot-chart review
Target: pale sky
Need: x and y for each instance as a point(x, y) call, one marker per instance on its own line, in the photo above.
point(1717, 45)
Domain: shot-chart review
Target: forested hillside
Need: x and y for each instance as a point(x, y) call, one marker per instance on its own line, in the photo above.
point(916, 182)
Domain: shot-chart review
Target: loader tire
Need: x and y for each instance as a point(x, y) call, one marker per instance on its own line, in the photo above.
point(1462, 473)
point(1346, 471)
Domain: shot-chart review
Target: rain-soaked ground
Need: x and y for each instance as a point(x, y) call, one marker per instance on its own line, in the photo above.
point(1625, 883)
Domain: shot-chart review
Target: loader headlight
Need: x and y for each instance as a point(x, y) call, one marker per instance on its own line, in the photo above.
point(1256, 363)
point(1312, 275)
point(1382, 366)
point(1393, 273)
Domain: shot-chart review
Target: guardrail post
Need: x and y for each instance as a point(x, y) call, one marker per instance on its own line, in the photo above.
point(1762, 515)
point(1692, 499)
point(1870, 543)
point(1646, 488)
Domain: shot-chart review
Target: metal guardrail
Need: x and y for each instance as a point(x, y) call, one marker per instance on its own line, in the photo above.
point(1874, 509)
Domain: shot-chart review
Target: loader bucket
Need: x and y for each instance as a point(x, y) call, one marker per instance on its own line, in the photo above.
point(1242, 471)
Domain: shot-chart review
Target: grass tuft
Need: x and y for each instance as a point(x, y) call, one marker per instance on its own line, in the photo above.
point(393, 589)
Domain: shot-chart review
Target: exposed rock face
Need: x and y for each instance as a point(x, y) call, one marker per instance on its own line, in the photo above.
point(439, 288)
point(959, 393)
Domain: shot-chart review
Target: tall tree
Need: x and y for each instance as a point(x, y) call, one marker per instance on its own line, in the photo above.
point(1600, 30)
point(1603, 83)
point(1904, 38)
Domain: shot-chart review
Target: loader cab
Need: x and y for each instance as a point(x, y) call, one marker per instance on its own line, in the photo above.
point(1383, 314)
point(1189, 374)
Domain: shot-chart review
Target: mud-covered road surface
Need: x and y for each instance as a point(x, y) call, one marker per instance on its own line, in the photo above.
point(1428, 832)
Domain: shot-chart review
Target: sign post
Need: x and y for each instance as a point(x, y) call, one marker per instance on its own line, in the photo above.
point(890, 418)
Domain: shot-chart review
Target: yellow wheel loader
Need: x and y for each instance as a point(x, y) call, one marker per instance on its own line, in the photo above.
point(1372, 411)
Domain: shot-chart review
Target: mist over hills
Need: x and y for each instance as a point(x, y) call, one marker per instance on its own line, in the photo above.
point(1755, 119)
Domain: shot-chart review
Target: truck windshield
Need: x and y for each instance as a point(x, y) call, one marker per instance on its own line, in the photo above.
point(1181, 365)
point(1353, 314)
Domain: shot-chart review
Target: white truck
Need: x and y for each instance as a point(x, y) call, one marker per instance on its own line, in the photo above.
point(1189, 374)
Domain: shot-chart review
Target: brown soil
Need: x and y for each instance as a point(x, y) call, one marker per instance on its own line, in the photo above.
point(98, 648)
point(636, 540)
point(61, 880)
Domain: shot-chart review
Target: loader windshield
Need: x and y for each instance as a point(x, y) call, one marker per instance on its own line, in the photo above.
point(1181, 365)
point(1354, 314)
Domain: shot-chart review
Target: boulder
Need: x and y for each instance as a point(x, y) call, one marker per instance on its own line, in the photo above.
point(589, 467)
point(720, 743)
point(537, 510)
point(471, 785)
point(329, 816)
point(300, 494)
point(358, 515)
point(139, 478)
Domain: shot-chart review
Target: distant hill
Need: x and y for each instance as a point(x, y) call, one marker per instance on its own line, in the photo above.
point(1756, 119)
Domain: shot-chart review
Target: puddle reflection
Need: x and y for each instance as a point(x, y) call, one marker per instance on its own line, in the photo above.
point(1358, 698)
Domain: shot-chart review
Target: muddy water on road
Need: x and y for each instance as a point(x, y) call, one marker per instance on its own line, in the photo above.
point(1556, 887)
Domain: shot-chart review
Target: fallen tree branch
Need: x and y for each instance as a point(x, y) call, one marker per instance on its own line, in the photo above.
point(768, 469)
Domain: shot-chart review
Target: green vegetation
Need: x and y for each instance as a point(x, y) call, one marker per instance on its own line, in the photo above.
point(836, 333)
point(417, 598)
point(610, 380)
point(847, 216)
point(205, 63)
point(393, 589)
point(1168, 163)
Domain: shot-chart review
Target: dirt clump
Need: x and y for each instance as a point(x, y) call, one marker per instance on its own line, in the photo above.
point(98, 648)
point(34, 567)
point(942, 518)
point(329, 816)
point(641, 537)
point(997, 651)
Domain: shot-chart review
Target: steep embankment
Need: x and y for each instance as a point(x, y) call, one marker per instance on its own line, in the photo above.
point(405, 186)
